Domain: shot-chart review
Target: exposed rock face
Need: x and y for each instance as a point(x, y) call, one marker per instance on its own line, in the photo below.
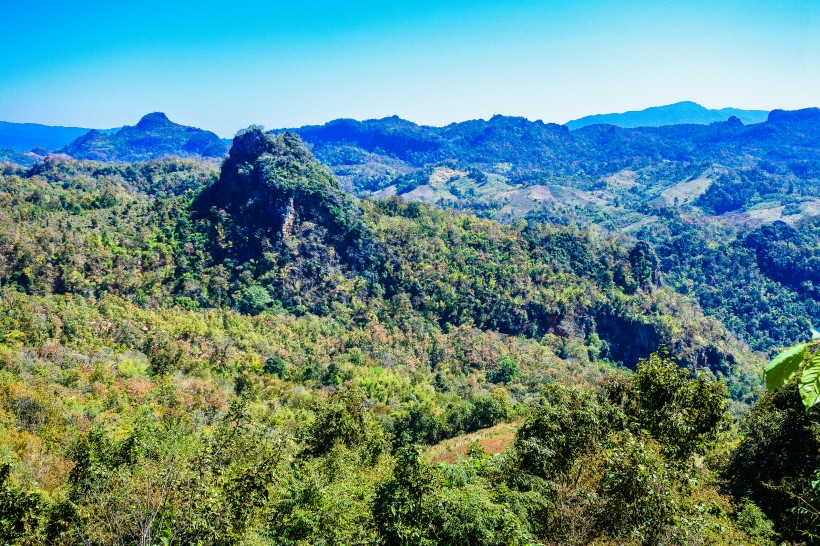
point(290, 221)
point(271, 189)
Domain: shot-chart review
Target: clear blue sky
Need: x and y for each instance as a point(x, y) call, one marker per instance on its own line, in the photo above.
point(225, 65)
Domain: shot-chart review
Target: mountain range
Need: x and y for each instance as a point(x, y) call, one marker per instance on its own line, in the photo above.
point(685, 112)
point(25, 137)
point(511, 167)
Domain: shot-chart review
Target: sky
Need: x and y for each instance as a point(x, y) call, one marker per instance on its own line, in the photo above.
point(225, 65)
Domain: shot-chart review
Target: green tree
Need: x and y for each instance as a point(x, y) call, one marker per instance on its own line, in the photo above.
point(506, 372)
point(255, 299)
point(683, 413)
point(21, 511)
point(399, 508)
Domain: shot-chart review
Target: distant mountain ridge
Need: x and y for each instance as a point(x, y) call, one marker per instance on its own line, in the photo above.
point(154, 136)
point(685, 112)
point(507, 167)
point(23, 137)
point(515, 146)
point(367, 155)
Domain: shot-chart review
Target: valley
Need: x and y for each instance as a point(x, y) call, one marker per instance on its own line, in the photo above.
point(495, 332)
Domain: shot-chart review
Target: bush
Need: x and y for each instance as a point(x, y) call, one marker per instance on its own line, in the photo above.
point(255, 299)
point(506, 372)
point(752, 520)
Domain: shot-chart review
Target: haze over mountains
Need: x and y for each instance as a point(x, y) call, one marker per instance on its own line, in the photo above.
point(23, 137)
point(672, 114)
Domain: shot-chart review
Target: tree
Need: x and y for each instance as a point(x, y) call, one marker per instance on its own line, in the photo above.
point(21, 511)
point(645, 266)
point(803, 358)
point(506, 372)
point(566, 424)
point(399, 507)
point(776, 462)
point(682, 413)
point(255, 299)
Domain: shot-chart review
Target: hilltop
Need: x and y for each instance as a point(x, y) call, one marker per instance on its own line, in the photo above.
point(153, 137)
point(680, 113)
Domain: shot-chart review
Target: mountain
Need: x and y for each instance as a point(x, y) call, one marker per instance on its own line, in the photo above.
point(24, 137)
point(268, 187)
point(153, 137)
point(686, 112)
point(494, 166)
point(246, 354)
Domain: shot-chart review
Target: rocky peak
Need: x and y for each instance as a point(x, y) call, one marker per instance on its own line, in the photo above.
point(154, 120)
point(733, 121)
point(269, 186)
point(252, 143)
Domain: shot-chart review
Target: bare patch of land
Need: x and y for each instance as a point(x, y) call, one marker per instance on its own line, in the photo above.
point(492, 440)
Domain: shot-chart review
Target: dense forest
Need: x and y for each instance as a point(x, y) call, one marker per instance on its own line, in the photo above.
point(249, 354)
point(729, 209)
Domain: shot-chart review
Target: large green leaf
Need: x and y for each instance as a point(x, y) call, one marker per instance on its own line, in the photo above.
point(784, 366)
point(810, 382)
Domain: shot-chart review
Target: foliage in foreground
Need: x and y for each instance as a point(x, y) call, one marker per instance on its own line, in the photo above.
point(587, 466)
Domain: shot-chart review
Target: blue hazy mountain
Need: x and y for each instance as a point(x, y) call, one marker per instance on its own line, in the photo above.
point(23, 137)
point(153, 137)
point(671, 114)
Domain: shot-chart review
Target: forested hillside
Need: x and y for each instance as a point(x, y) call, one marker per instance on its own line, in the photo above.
point(700, 195)
point(154, 136)
point(368, 154)
point(250, 355)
